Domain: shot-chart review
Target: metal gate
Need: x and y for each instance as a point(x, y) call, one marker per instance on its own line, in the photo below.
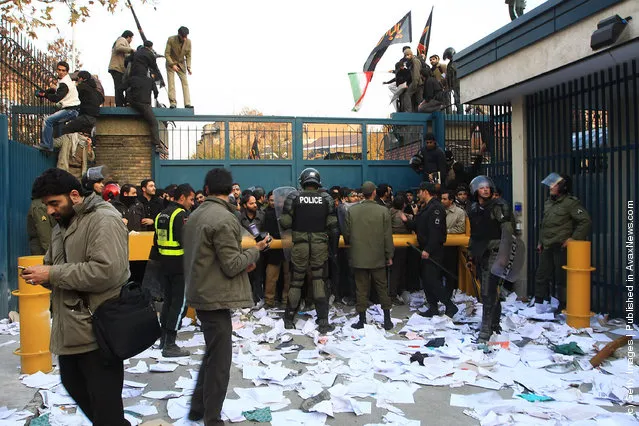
point(589, 128)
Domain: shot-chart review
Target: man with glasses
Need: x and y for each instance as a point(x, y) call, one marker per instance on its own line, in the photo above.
point(65, 95)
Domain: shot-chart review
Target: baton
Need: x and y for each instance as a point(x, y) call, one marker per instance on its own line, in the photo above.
point(473, 278)
point(439, 265)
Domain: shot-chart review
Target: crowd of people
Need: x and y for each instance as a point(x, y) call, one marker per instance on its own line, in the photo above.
point(78, 96)
point(425, 85)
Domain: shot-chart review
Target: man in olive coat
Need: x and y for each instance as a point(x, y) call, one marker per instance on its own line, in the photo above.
point(216, 273)
point(564, 220)
point(86, 264)
point(368, 231)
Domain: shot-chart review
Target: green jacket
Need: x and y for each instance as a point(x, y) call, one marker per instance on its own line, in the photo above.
point(93, 270)
point(369, 232)
point(564, 218)
point(214, 261)
point(39, 227)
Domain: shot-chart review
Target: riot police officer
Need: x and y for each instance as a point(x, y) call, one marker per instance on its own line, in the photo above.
point(489, 217)
point(430, 226)
point(168, 249)
point(311, 216)
point(564, 220)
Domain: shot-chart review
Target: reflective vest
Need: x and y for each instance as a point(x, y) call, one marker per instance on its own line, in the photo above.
point(167, 246)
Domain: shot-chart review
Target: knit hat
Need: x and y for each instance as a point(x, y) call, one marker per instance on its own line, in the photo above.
point(368, 187)
point(408, 52)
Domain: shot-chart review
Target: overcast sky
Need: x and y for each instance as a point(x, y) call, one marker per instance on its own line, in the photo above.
point(284, 57)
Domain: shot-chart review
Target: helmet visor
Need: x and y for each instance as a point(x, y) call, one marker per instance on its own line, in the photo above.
point(552, 179)
point(95, 174)
point(480, 182)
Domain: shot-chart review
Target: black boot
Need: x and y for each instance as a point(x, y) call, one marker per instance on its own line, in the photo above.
point(171, 350)
point(162, 340)
point(388, 324)
point(451, 309)
point(486, 329)
point(431, 312)
point(362, 321)
point(324, 326)
point(289, 319)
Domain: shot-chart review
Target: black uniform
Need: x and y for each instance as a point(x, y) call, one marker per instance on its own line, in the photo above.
point(169, 245)
point(486, 224)
point(311, 216)
point(430, 226)
point(434, 160)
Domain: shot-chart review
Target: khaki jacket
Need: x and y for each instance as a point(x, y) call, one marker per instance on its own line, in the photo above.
point(564, 218)
point(39, 227)
point(214, 261)
point(94, 269)
point(121, 48)
point(68, 144)
point(368, 231)
point(177, 53)
point(455, 220)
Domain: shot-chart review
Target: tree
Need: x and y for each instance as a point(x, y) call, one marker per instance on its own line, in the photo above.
point(60, 50)
point(30, 15)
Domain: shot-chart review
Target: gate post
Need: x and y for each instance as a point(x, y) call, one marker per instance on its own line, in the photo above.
point(4, 216)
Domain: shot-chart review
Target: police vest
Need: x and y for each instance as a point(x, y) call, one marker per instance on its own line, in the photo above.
point(310, 210)
point(167, 246)
point(482, 224)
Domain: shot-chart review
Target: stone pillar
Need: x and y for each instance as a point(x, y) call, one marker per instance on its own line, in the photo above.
point(123, 144)
point(519, 178)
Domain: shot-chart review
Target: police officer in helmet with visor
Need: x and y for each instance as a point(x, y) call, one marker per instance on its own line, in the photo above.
point(311, 217)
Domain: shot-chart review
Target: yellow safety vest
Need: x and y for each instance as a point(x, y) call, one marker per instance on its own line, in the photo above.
point(167, 246)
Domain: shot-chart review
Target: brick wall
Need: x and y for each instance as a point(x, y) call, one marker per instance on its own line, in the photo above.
point(403, 152)
point(123, 145)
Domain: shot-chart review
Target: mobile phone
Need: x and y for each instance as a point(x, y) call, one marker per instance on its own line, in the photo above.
point(22, 267)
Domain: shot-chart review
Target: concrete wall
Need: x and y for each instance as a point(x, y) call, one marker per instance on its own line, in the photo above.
point(564, 48)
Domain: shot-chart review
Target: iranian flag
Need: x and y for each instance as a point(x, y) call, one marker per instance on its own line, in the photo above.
point(398, 33)
point(359, 84)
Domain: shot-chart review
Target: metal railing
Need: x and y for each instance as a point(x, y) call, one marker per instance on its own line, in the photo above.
point(23, 70)
point(588, 128)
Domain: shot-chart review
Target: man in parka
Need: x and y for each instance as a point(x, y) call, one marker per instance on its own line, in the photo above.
point(216, 274)
point(311, 216)
point(86, 265)
point(564, 220)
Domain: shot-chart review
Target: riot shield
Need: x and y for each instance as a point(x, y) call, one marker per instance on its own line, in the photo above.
point(510, 257)
point(279, 196)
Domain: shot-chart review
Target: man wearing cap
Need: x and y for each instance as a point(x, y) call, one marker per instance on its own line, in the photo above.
point(430, 226)
point(121, 48)
point(413, 95)
point(369, 233)
point(178, 60)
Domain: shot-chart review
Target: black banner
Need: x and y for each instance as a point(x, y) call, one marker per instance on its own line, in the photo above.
point(424, 40)
point(399, 33)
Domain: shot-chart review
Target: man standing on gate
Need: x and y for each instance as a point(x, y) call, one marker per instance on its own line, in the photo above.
point(564, 220)
point(430, 226)
point(169, 247)
point(86, 265)
point(311, 216)
point(368, 231)
point(178, 60)
point(489, 217)
point(430, 160)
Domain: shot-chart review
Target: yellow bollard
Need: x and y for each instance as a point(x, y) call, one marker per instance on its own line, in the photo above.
point(35, 322)
point(578, 284)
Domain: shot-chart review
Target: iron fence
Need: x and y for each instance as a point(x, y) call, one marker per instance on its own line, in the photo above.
point(588, 128)
point(23, 70)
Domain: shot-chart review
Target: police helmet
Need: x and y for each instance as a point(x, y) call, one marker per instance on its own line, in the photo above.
point(449, 53)
point(110, 191)
point(563, 182)
point(310, 176)
point(481, 181)
point(416, 162)
point(91, 177)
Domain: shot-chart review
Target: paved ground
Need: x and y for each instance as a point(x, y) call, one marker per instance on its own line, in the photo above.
point(432, 403)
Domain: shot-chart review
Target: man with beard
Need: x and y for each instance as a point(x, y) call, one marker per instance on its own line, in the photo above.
point(252, 215)
point(275, 260)
point(153, 204)
point(438, 69)
point(433, 161)
point(86, 265)
point(489, 217)
point(130, 208)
